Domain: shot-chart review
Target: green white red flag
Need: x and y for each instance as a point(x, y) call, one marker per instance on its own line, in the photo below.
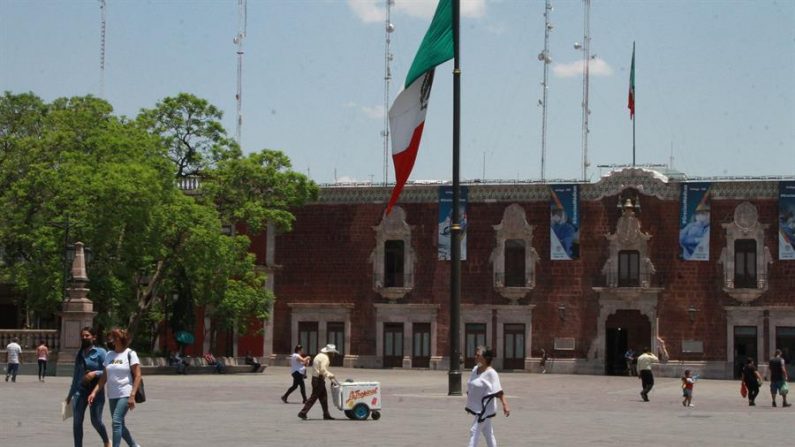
point(407, 113)
point(631, 100)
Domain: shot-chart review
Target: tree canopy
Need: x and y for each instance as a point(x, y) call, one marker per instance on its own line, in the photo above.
point(72, 170)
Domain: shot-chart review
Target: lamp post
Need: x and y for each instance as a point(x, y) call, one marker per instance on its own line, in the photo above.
point(691, 312)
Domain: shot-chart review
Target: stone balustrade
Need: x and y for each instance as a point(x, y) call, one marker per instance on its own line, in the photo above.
point(29, 338)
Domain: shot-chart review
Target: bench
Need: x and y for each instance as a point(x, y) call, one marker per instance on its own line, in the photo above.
point(197, 365)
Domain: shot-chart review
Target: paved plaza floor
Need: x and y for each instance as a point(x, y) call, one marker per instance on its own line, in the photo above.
point(549, 409)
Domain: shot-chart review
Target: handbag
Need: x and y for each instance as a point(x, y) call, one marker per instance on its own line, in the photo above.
point(743, 389)
point(140, 393)
point(66, 410)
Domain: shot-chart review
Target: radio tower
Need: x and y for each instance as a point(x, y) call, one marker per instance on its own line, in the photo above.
point(586, 62)
point(546, 59)
point(388, 29)
point(238, 40)
point(103, 7)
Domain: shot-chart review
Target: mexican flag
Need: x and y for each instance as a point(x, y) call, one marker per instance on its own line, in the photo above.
point(407, 114)
point(631, 101)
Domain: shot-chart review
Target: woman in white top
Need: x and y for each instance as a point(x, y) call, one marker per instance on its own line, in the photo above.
point(483, 387)
point(298, 364)
point(123, 377)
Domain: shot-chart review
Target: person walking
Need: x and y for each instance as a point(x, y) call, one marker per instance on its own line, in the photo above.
point(644, 368)
point(87, 370)
point(778, 378)
point(752, 380)
point(688, 382)
point(122, 374)
point(13, 359)
point(629, 358)
point(298, 363)
point(42, 354)
point(320, 372)
point(483, 388)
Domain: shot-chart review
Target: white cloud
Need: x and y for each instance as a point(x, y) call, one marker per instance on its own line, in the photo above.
point(373, 112)
point(597, 67)
point(370, 11)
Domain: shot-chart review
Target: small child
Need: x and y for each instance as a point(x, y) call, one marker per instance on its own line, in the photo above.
point(687, 388)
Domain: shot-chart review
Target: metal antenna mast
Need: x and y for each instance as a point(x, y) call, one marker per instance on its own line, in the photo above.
point(389, 27)
point(586, 62)
point(546, 59)
point(103, 7)
point(238, 40)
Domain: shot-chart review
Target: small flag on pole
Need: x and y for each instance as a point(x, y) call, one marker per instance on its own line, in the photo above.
point(407, 114)
point(631, 101)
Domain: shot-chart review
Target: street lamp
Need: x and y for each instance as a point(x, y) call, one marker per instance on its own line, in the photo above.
point(691, 312)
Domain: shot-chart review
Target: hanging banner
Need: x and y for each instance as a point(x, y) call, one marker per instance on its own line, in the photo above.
point(564, 222)
point(446, 219)
point(786, 221)
point(694, 221)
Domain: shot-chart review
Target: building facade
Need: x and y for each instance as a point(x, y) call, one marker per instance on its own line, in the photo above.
point(374, 284)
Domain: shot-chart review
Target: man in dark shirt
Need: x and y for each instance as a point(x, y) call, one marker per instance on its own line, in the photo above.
point(778, 378)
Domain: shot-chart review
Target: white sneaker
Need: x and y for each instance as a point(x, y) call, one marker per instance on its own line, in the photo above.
point(691, 405)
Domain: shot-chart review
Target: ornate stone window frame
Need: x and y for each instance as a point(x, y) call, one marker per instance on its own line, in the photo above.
point(513, 226)
point(408, 314)
point(746, 225)
point(512, 314)
point(743, 316)
point(628, 237)
point(393, 227)
point(322, 313)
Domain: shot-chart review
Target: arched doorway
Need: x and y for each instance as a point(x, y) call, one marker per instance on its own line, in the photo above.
point(624, 329)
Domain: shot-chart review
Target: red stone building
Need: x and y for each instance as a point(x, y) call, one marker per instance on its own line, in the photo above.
point(373, 284)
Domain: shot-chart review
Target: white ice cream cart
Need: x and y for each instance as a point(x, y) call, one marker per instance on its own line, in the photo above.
point(358, 399)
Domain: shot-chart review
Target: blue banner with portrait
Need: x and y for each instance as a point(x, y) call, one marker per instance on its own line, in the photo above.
point(446, 219)
point(786, 221)
point(564, 222)
point(694, 216)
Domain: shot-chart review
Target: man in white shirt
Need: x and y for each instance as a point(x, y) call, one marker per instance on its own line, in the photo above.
point(644, 368)
point(320, 372)
point(13, 354)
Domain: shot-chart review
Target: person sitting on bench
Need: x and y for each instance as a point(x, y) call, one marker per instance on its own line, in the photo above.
point(210, 359)
point(251, 360)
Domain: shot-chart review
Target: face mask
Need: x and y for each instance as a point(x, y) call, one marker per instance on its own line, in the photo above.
point(111, 345)
point(85, 343)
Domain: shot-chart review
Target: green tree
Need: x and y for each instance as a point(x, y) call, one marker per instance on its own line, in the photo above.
point(71, 170)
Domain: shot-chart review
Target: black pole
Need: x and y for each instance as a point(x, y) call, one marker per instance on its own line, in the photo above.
point(454, 375)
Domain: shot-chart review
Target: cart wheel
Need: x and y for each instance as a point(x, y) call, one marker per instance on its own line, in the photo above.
point(349, 414)
point(361, 412)
point(376, 415)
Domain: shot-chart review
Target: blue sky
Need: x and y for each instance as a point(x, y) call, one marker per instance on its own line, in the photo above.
point(714, 79)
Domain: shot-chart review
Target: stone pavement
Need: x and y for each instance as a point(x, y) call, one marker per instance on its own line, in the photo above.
point(550, 409)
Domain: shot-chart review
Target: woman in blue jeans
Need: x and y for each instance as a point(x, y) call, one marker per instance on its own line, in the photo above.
point(123, 377)
point(88, 368)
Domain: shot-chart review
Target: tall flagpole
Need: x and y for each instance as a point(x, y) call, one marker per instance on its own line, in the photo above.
point(634, 104)
point(454, 375)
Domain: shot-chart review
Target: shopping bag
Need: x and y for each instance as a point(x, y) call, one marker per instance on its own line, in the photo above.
point(66, 410)
point(784, 389)
point(743, 389)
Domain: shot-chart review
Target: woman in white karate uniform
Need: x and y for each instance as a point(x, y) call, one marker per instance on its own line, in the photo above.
point(483, 390)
